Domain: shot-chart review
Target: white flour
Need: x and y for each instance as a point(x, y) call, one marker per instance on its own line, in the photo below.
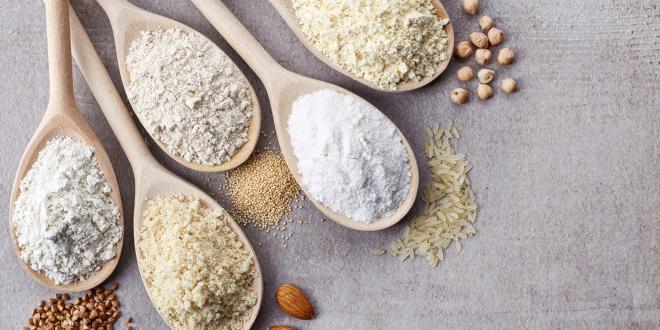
point(189, 95)
point(350, 156)
point(65, 221)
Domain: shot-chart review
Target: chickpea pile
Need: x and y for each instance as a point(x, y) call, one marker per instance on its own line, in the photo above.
point(479, 45)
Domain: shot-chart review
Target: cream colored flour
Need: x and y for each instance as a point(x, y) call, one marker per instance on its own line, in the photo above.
point(198, 274)
point(189, 95)
point(383, 41)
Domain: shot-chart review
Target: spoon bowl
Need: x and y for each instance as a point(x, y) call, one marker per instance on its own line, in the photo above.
point(128, 21)
point(282, 105)
point(151, 178)
point(285, 9)
point(64, 118)
point(284, 87)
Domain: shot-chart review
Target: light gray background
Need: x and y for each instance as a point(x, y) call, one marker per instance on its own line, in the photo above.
point(566, 174)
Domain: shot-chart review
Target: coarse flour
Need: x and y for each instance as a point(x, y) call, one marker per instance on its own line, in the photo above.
point(385, 41)
point(350, 156)
point(65, 221)
point(189, 95)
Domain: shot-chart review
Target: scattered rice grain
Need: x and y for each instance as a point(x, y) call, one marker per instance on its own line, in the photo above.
point(451, 208)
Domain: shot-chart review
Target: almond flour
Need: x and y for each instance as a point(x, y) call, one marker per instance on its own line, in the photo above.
point(189, 95)
point(385, 42)
point(199, 275)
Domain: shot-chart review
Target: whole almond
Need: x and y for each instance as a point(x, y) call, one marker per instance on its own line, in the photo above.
point(280, 327)
point(293, 302)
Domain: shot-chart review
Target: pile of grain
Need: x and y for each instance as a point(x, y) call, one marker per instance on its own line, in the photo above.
point(96, 309)
point(451, 208)
point(261, 190)
point(198, 274)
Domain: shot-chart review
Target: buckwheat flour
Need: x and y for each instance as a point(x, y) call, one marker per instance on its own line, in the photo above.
point(385, 42)
point(65, 221)
point(189, 95)
point(350, 156)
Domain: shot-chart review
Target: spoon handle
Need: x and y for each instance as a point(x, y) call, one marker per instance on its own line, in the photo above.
point(113, 8)
point(59, 56)
point(232, 30)
point(106, 94)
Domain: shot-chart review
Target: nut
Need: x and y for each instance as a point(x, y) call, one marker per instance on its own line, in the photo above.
point(459, 95)
point(484, 91)
point(471, 7)
point(505, 56)
point(280, 327)
point(509, 85)
point(463, 49)
point(495, 36)
point(293, 302)
point(479, 39)
point(486, 76)
point(465, 73)
point(482, 56)
point(486, 22)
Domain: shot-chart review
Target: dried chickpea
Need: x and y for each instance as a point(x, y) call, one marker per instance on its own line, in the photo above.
point(459, 95)
point(505, 56)
point(482, 56)
point(471, 7)
point(479, 39)
point(484, 91)
point(495, 36)
point(486, 76)
point(509, 85)
point(486, 23)
point(463, 49)
point(465, 73)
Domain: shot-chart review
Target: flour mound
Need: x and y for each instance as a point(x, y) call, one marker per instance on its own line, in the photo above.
point(66, 223)
point(350, 156)
point(189, 95)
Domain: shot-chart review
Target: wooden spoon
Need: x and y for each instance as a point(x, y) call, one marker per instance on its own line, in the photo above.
point(284, 87)
point(64, 118)
point(151, 178)
point(128, 21)
point(285, 8)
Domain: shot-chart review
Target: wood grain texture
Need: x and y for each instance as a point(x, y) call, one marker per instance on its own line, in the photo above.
point(128, 22)
point(151, 178)
point(63, 118)
point(285, 9)
point(284, 87)
point(564, 174)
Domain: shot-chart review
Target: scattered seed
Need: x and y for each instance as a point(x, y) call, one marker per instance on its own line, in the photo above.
point(261, 190)
point(95, 309)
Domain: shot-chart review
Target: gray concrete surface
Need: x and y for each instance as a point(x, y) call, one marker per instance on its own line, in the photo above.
point(566, 174)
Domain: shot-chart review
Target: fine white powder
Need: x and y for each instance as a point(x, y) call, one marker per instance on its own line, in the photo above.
point(189, 95)
point(66, 223)
point(350, 157)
